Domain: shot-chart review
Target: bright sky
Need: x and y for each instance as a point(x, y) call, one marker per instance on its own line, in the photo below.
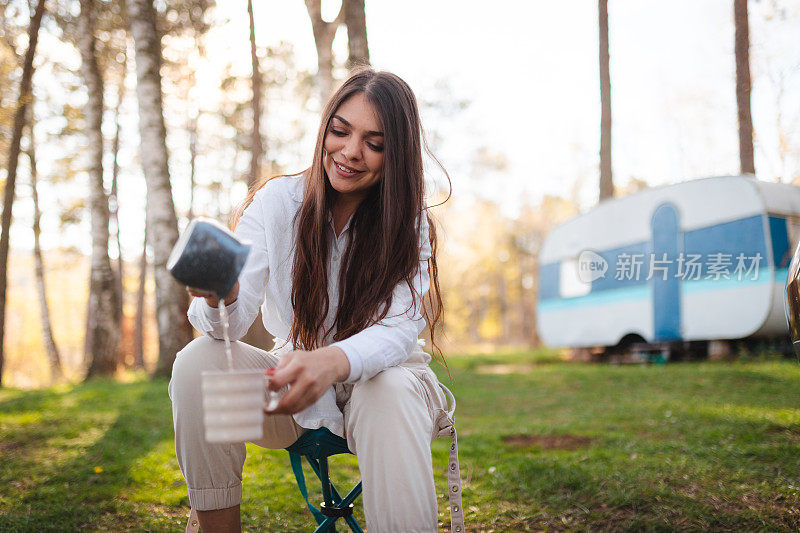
point(529, 69)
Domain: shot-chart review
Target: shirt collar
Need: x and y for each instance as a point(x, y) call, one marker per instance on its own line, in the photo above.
point(297, 187)
point(296, 191)
point(333, 228)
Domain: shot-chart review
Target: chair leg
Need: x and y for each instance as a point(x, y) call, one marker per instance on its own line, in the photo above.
point(354, 527)
point(326, 482)
point(332, 498)
point(327, 526)
point(326, 489)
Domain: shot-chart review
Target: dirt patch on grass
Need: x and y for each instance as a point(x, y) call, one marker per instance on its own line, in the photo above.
point(548, 442)
point(792, 431)
point(7, 447)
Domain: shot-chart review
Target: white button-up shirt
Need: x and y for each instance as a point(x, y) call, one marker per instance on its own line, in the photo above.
point(269, 225)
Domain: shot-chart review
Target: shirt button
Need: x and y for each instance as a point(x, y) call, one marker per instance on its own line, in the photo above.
point(335, 257)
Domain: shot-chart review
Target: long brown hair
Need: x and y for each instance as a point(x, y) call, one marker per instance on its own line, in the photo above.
point(384, 249)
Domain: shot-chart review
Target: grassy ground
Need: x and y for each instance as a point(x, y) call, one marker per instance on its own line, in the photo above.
point(544, 445)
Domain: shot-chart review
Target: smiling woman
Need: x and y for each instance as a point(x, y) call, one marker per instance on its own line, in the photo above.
point(353, 155)
point(342, 256)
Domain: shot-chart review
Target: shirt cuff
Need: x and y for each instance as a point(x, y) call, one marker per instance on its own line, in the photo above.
point(212, 313)
point(356, 365)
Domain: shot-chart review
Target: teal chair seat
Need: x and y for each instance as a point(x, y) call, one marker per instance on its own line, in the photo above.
point(316, 446)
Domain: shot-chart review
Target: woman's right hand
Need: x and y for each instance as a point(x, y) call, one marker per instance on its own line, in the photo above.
point(211, 298)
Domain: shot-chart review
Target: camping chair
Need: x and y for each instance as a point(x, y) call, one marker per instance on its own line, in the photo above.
point(319, 444)
point(316, 446)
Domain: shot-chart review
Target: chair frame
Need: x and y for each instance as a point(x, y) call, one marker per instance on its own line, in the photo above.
point(316, 446)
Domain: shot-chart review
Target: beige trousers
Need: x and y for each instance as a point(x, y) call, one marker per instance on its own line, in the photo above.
point(390, 422)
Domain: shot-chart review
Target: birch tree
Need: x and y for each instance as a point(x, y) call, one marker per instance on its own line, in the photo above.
point(138, 331)
point(174, 330)
point(113, 196)
point(324, 32)
point(48, 339)
point(20, 114)
point(606, 179)
point(256, 143)
point(357, 46)
point(102, 322)
point(742, 53)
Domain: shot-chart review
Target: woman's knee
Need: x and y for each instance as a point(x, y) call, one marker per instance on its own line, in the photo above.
point(198, 350)
point(388, 408)
point(197, 356)
point(387, 389)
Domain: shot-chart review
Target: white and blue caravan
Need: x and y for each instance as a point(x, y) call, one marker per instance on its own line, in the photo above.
point(700, 260)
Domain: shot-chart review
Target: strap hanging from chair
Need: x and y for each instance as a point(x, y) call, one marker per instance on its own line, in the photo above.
point(193, 524)
point(454, 486)
point(453, 469)
point(297, 468)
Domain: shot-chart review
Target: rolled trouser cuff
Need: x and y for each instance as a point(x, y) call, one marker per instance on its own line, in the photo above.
point(214, 499)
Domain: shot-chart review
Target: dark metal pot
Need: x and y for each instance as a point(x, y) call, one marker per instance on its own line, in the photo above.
point(208, 257)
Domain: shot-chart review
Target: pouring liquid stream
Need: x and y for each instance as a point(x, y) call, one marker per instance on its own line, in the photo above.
point(223, 315)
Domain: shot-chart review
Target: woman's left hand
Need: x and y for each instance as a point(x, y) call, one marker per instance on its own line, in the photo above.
point(309, 375)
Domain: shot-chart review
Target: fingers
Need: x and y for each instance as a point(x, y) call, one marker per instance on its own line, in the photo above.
point(285, 373)
point(298, 397)
point(233, 295)
point(210, 298)
point(306, 383)
point(197, 293)
point(286, 407)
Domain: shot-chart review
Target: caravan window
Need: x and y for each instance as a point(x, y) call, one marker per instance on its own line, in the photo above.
point(569, 284)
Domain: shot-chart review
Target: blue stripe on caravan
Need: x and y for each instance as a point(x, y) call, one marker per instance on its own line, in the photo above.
point(549, 274)
point(742, 236)
point(666, 288)
point(765, 275)
point(643, 292)
point(781, 275)
point(779, 234)
point(639, 292)
point(618, 257)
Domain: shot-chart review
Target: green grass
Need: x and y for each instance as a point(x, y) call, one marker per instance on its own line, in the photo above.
point(544, 445)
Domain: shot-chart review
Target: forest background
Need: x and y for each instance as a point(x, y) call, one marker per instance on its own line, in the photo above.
point(512, 99)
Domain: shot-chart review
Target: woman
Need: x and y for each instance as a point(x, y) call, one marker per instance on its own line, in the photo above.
point(343, 251)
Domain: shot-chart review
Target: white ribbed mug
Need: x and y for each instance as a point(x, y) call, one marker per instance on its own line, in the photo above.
point(233, 405)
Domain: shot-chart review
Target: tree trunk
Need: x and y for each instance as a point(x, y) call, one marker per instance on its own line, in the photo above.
point(192, 163)
point(502, 307)
point(606, 180)
point(13, 159)
point(102, 324)
point(742, 52)
point(48, 339)
point(356, 20)
point(115, 176)
point(256, 145)
point(114, 205)
point(324, 32)
point(525, 326)
point(172, 302)
point(138, 332)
